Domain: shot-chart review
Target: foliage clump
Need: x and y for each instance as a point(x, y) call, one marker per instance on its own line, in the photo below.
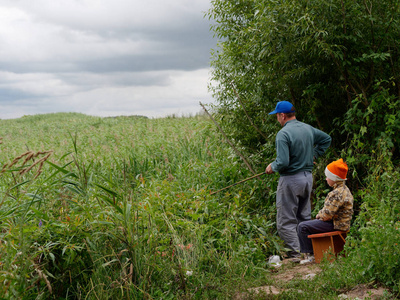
point(338, 62)
point(326, 57)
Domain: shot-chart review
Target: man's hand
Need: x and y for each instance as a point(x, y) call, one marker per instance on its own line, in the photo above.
point(268, 170)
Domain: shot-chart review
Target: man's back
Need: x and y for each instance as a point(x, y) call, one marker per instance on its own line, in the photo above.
point(297, 144)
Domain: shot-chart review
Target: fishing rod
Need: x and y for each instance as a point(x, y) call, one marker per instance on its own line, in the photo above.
point(255, 176)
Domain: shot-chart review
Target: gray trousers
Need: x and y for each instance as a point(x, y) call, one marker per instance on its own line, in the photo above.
point(293, 206)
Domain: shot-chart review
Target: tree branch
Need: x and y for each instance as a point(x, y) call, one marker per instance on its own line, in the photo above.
point(229, 142)
point(248, 117)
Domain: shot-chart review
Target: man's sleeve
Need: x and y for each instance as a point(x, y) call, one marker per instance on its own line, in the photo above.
point(322, 141)
point(282, 153)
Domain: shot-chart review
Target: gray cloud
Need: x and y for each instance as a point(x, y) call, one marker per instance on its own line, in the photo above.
point(11, 96)
point(123, 51)
point(68, 34)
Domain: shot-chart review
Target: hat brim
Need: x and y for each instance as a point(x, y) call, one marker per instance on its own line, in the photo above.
point(273, 112)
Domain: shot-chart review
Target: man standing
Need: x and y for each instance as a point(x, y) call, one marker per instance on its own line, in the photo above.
point(297, 146)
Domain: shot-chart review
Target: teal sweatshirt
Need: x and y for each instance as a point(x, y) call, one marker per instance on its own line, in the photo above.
point(297, 145)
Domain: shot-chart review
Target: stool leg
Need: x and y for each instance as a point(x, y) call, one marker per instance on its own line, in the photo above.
point(341, 236)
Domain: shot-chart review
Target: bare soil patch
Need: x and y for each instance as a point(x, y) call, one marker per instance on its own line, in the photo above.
point(285, 273)
point(289, 271)
point(362, 291)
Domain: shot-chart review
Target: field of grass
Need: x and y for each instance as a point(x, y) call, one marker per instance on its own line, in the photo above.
point(112, 208)
point(121, 208)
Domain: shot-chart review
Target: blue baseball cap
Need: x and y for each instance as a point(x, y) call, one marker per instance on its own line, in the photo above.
point(283, 107)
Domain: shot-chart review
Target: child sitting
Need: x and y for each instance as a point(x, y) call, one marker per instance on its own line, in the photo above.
point(336, 213)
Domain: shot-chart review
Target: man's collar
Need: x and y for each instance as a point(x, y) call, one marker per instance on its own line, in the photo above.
point(289, 121)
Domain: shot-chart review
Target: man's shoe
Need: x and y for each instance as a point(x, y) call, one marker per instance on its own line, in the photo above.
point(293, 254)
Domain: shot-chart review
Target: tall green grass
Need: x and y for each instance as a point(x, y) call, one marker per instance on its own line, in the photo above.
point(122, 210)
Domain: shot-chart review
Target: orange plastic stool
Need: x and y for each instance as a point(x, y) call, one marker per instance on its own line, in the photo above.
point(321, 243)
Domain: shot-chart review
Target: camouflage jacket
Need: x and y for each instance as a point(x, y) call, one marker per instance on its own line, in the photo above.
point(338, 207)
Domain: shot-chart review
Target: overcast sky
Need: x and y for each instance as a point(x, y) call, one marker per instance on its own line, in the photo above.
point(104, 57)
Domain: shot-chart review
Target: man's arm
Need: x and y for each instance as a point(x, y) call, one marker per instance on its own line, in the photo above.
point(322, 141)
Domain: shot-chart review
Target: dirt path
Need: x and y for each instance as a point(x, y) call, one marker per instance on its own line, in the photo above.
point(289, 271)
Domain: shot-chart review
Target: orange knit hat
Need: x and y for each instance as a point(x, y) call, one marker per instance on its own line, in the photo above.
point(337, 170)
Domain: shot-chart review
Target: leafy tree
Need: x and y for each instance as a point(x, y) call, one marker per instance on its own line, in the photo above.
point(337, 61)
